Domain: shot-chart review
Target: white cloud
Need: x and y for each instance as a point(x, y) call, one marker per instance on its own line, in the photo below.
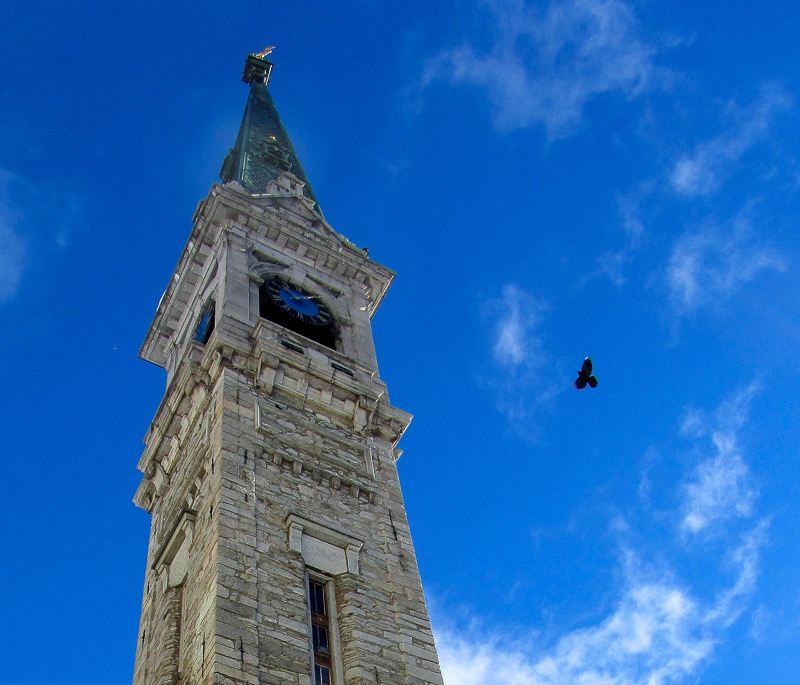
point(543, 68)
point(708, 166)
point(720, 487)
point(709, 264)
point(731, 602)
point(660, 630)
point(517, 315)
point(657, 633)
point(522, 373)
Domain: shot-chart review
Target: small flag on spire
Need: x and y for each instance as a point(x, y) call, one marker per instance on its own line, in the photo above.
point(265, 51)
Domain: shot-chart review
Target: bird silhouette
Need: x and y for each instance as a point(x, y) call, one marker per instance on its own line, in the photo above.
point(585, 376)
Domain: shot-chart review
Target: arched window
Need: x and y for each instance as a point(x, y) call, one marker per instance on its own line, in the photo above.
point(206, 325)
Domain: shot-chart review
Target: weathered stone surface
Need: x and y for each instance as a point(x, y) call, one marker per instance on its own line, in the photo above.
point(283, 464)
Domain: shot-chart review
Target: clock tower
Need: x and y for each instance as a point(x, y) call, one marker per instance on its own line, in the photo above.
point(280, 552)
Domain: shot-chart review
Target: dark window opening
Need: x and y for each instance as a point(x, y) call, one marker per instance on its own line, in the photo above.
point(321, 639)
point(320, 629)
point(206, 326)
point(269, 309)
point(322, 675)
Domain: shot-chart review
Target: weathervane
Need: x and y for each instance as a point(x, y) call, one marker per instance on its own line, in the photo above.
point(264, 52)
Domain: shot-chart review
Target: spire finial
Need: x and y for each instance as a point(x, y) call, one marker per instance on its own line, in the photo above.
point(263, 151)
point(258, 68)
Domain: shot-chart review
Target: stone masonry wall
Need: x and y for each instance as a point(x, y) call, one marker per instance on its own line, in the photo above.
point(177, 636)
point(263, 627)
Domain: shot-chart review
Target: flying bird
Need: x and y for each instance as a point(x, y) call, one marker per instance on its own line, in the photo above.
point(585, 376)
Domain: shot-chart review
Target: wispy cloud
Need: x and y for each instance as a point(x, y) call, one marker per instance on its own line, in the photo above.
point(660, 630)
point(709, 264)
point(613, 263)
point(658, 633)
point(543, 68)
point(706, 265)
point(31, 215)
point(13, 246)
point(517, 316)
point(522, 372)
point(713, 161)
point(720, 487)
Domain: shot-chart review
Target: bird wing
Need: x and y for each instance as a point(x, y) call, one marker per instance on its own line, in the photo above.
point(580, 383)
point(592, 381)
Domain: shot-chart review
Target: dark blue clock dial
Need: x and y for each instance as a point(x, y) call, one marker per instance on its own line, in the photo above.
point(299, 303)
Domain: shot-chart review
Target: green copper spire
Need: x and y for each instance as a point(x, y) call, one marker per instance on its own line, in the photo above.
point(263, 150)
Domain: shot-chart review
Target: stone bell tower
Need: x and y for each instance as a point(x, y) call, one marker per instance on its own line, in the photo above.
point(280, 551)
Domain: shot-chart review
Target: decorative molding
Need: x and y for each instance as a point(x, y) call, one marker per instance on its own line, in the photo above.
point(323, 548)
point(172, 560)
point(319, 475)
point(266, 266)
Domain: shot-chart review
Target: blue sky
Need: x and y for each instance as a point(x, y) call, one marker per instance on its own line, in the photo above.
point(550, 180)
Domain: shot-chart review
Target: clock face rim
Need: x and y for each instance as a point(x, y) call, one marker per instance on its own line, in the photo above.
point(295, 300)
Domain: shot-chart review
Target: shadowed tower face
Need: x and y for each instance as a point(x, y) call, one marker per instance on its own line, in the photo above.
point(280, 551)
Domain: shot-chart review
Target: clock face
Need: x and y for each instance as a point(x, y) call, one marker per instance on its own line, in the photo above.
point(298, 303)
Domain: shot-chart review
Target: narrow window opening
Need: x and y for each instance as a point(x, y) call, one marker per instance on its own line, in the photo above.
point(206, 326)
point(320, 632)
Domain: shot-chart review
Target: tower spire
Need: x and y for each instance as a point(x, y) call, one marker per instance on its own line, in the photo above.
point(263, 150)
